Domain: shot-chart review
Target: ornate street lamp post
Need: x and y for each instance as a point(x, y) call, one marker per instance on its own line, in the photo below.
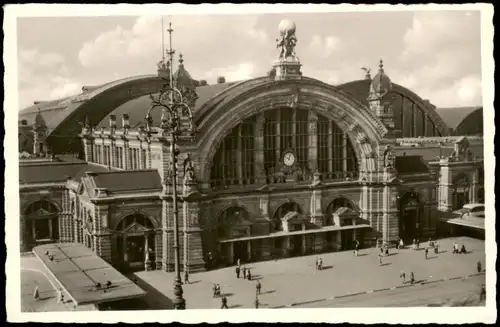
point(176, 121)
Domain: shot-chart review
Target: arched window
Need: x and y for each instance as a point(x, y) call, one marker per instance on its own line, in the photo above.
point(281, 212)
point(42, 221)
point(228, 218)
point(410, 118)
point(461, 186)
point(334, 206)
point(135, 218)
point(245, 154)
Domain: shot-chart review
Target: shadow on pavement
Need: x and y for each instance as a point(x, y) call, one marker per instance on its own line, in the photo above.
point(155, 299)
point(386, 264)
point(268, 292)
point(227, 294)
point(326, 267)
point(235, 306)
point(362, 254)
point(193, 282)
point(429, 258)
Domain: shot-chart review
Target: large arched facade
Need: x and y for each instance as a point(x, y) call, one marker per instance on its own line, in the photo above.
point(327, 131)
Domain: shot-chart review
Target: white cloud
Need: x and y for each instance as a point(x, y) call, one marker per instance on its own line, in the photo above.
point(43, 76)
point(324, 46)
point(232, 74)
point(440, 58)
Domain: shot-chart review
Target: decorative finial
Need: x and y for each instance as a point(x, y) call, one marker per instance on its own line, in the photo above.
point(381, 65)
point(180, 59)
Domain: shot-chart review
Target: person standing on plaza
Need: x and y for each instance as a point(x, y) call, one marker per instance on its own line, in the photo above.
point(418, 244)
point(414, 244)
point(224, 302)
point(237, 271)
point(317, 263)
point(238, 262)
point(380, 259)
point(402, 275)
point(401, 244)
point(412, 277)
point(426, 253)
point(258, 287)
point(249, 275)
point(36, 294)
point(436, 248)
point(60, 296)
point(455, 248)
point(244, 272)
point(320, 264)
point(463, 250)
point(186, 277)
point(256, 302)
point(482, 294)
point(479, 267)
point(430, 245)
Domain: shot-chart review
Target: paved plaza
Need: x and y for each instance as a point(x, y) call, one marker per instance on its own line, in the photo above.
point(34, 274)
point(295, 280)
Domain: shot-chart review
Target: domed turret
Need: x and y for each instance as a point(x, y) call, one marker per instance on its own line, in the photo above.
point(381, 84)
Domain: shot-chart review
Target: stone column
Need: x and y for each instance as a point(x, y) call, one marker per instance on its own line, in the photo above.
point(88, 148)
point(312, 141)
point(445, 187)
point(316, 207)
point(474, 187)
point(193, 246)
point(259, 171)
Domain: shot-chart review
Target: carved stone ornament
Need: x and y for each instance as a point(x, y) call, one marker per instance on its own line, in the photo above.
point(188, 169)
point(388, 157)
point(287, 41)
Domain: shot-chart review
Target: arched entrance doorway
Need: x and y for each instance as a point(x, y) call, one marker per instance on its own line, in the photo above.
point(336, 240)
point(41, 223)
point(461, 188)
point(232, 224)
point(136, 242)
point(410, 209)
point(286, 245)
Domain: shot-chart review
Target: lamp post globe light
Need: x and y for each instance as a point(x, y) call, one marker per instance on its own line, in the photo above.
point(176, 122)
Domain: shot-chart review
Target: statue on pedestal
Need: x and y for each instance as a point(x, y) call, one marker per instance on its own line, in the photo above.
point(287, 41)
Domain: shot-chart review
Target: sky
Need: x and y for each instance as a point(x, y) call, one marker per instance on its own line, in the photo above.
point(436, 54)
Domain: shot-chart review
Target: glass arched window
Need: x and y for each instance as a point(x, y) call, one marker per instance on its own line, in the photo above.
point(228, 218)
point(281, 212)
point(254, 148)
point(334, 206)
point(42, 221)
point(136, 218)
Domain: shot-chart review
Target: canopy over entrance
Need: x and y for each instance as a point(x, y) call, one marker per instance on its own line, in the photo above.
point(87, 278)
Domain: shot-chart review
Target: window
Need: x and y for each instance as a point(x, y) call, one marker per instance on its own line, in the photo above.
point(284, 129)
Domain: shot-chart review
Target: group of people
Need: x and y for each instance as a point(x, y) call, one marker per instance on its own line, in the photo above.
point(402, 275)
point(456, 249)
point(247, 274)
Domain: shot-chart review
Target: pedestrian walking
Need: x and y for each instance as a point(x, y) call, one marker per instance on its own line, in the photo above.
point(482, 294)
point(401, 244)
point(430, 243)
point(455, 248)
point(320, 264)
point(238, 262)
point(412, 277)
point(60, 296)
point(186, 277)
point(258, 287)
point(249, 275)
point(36, 294)
point(418, 244)
point(463, 250)
point(436, 248)
point(479, 267)
point(402, 275)
point(414, 244)
point(237, 271)
point(317, 263)
point(380, 259)
point(426, 252)
point(224, 302)
point(256, 302)
point(244, 272)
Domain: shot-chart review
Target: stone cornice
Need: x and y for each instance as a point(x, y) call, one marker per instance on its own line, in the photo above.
point(436, 140)
point(37, 186)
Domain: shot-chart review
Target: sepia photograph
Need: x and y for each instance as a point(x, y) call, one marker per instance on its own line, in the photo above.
point(226, 157)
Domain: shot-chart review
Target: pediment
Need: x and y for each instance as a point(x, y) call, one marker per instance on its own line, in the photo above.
point(135, 228)
point(292, 216)
point(346, 213)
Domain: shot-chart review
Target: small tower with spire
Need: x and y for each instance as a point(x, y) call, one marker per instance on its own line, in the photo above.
point(163, 65)
point(380, 104)
point(185, 83)
point(40, 133)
